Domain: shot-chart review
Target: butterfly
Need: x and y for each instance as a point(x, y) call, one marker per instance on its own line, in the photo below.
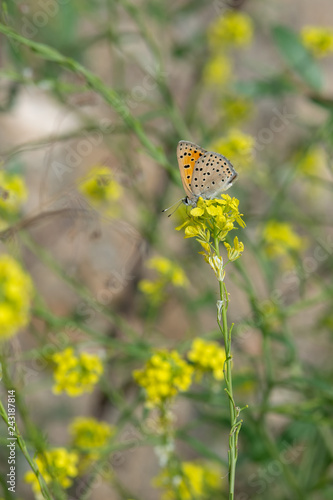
point(204, 174)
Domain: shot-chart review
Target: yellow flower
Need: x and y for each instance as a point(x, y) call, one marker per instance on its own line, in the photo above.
point(233, 29)
point(152, 288)
point(163, 376)
point(168, 272)
point(207, 357)
point(161, 264)
point(216, 263)
point(195, 480)
point(237, 147)
point(13, 193)
point(16, 292)
point(90, 437)
point(76, 375)
point(215, 216)
point(210, 222)
point(235, 109)
point(236, 251)
point(89, 433)
point(59, 465)
point(280, 239)
point(101, 189)
point(218, 70)
point(318, 40)
point(311, 162)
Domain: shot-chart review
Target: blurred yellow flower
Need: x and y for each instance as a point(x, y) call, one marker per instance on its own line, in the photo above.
point(318, 40)
point(233, 29)
point(90, 436)
point(280, 239)
point(101, 189)
point(168, 269)
point(163, 376)
point(89, 433)
point(13, 193)
point(312, 161)
point(207, 357)
point(235, 109)
point(16, 292)
point(154, 289)
point(218, 70)
point(237, 147)
point(76, 375)
point(195, 480)
point(168, 272)
point(58, 464)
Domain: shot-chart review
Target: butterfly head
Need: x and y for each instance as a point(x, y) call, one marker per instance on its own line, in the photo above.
point(190, 201)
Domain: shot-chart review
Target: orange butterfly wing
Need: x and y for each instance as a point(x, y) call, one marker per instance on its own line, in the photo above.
point(187, 155)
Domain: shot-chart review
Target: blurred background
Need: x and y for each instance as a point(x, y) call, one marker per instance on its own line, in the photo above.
point(94, 97)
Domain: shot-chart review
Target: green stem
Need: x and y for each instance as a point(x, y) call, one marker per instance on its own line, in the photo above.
point(95, 83)
point(21, 443)
point(235, 424)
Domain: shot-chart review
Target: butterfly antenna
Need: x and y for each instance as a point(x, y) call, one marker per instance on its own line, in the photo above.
point(179, 203)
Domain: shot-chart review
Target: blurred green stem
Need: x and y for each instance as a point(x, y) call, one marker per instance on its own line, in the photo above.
point(222, 307)
point(17, 434)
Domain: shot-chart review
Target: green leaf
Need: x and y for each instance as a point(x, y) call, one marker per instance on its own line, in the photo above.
point(297, 56)
point(276, 85)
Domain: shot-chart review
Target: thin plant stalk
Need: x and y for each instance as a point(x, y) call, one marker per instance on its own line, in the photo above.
point(21, 443)
point(235, 424)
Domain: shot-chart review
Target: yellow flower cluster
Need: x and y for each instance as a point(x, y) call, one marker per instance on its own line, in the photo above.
point(168, 272)
point(12, 194)
point(89, 433)
point(163, 376)
point(16, 291)
point(90, 437)
point(281, 239)
point(195, 480)
point(237, 147)
point(312, 161)
point(101, 189)
point(218, 70)
point(58, 464)
point(76, 375)
point(233, 29)
point(235, 109)
point(207, 357)
point(213, 219)
point(318, 40)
